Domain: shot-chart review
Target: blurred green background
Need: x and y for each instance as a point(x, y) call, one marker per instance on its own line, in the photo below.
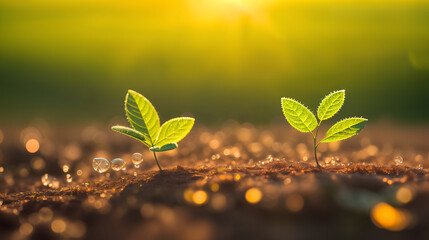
point(71, 61)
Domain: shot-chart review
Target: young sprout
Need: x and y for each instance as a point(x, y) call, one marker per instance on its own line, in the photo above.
point(146, 127)
point(301, 118)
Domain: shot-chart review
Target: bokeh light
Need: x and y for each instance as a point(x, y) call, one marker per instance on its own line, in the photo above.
point(199, 197)
point(32, 145)
point(25, 229)
point(58, 226)
point(253, 195)
point(295, 202)
point(1, 136)
point(385, 216)
point(404, 195)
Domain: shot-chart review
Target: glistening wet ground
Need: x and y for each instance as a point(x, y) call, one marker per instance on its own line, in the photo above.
point(238, 182)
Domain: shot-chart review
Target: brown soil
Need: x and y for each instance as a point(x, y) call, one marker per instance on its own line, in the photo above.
point(299, 201)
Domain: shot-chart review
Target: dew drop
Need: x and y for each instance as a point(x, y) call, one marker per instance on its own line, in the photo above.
point(137, 158)
point(117, 164)
point(69, 178)
point(398, 160)
point(100, 165)
point(46, 179)
point(50, 181)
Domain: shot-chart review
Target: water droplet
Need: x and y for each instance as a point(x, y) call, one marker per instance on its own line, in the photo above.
point(137, 158)
point(50, 181)
point(398, 160)
point(46, 179)
point(420, 166)
point(69, 178)
point(117, 164)
point(100, 165)
point(66, 168)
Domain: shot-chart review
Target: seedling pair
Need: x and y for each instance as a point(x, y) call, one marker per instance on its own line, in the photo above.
point(146, 127)
point(304, 120)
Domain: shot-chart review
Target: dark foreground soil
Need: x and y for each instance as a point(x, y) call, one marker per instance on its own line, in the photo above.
point(241, 182)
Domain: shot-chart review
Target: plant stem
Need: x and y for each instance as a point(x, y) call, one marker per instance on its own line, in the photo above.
point(315, 145)
point(315, 153)
point(160, 169)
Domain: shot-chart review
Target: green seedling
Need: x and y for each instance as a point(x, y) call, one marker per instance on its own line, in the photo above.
point(301, 118)
point(146, 127)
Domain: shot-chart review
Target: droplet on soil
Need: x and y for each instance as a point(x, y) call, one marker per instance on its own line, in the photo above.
point(69, 178)
point(50, 181)
point(398, 160)
point(137, 158)
point(117, 164)
point(46, 179)
point(100, 165)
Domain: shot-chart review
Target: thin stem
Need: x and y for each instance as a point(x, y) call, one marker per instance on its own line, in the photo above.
point(315, 153)
point(157, 161)
point(315, 145)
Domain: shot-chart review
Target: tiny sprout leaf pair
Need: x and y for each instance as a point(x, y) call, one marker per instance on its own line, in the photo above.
point(146, 127)
point(301, 118)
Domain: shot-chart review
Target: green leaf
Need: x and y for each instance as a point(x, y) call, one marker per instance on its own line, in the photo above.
point(344, 129)
point(174, 130)
point(298, 115)
point(130, 132)
point(166, 147)
point(331, 104)
point(142, 116)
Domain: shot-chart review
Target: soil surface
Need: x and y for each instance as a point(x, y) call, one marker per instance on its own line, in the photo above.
point(239, 182)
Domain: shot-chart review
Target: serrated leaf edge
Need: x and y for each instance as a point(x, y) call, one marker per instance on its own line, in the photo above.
point(343, 90)
point(281, 104)
point(149, 141)
point(365, 119)
point(157, 140)
point(140, 140)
